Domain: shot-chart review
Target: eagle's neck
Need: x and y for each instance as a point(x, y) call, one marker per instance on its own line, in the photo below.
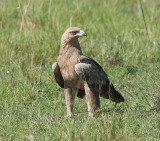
point(71, 47)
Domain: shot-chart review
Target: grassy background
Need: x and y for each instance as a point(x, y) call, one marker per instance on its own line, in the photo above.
point(32, 105)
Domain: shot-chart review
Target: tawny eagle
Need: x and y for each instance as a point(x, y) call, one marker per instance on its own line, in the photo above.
point(80, 75)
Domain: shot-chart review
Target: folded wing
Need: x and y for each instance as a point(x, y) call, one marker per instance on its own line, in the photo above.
point(57, 74)
point(93, 74)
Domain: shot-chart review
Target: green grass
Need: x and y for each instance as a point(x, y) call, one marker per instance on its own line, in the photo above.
point(32, 105)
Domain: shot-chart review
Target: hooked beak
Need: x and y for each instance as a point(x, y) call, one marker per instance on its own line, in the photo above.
point(82, 33)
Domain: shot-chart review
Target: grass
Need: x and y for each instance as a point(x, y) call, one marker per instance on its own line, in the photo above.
point(32, 105)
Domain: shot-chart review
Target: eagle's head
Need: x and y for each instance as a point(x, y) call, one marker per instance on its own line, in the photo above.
point(73, 33)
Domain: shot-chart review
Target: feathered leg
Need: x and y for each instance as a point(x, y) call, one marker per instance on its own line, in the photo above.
point(92, 99)
point(69, 97)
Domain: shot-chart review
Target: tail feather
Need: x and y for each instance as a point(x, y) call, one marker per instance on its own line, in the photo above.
point(81, 94)
point(109, 92)
point(116, 97)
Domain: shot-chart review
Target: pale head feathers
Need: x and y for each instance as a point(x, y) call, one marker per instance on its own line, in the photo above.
point(72, 34)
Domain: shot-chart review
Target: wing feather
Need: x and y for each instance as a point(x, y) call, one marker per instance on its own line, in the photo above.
point(57, 74)
point(91, 71)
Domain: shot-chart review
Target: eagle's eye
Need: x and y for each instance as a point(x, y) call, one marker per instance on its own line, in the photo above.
point(74, 32)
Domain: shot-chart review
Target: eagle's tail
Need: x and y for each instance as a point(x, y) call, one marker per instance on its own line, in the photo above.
point(116, 96)
point(109, 92)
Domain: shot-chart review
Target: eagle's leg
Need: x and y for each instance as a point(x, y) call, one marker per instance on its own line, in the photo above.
point(69, 97)
point(92, 99)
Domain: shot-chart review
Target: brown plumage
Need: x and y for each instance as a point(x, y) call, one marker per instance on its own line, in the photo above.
point(80, 75)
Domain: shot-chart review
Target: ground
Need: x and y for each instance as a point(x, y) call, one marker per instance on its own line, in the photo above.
point(123, 37)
